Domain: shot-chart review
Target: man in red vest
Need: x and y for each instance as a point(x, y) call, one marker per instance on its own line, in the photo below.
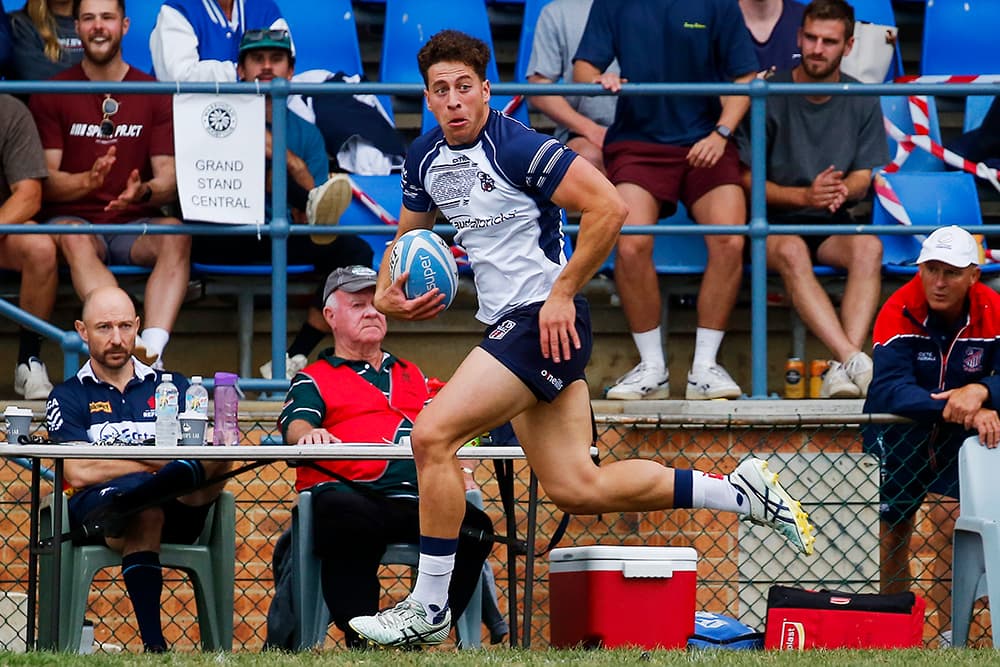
point(358, 392)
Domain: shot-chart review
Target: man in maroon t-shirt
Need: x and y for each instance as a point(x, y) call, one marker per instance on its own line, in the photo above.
point(111, 160)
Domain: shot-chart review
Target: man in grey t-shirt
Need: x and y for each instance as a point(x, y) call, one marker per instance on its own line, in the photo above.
point(22, 168)
point(820, 153)
point(581, 121)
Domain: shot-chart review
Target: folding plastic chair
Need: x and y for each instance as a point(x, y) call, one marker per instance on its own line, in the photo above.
point(897, 110)
point(409, 24)
point(313, 617)
point(976, 554)
point(532, 8)
point(210, 563)
point(135, 42)
point(325, 35)
point(976, 107)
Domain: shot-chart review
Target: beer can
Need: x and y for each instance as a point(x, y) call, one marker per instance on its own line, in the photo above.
point(795, 383)
point(817, 368)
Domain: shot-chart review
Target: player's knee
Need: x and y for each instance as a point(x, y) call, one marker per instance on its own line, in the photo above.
point(429, 445)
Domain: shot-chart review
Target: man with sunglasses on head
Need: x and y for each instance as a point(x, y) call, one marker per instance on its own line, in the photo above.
point(111, 160)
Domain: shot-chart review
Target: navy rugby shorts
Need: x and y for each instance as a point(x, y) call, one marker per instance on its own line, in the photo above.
point(182, 523)
point(514, 341)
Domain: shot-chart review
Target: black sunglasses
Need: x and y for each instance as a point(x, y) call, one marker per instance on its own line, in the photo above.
point(109, 107)
point(261, 35)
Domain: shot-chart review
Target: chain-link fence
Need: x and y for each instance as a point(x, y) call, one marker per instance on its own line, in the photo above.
point(823, 462)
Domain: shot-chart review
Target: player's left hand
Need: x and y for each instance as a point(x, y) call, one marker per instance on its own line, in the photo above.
point(963, 403)
point(707, 151)
point(557, 328)
point(987, 425)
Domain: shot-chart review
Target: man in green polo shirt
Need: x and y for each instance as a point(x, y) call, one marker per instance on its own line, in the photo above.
point(359, 393)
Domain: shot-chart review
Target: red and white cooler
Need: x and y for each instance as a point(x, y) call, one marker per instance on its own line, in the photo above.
point(622, 596)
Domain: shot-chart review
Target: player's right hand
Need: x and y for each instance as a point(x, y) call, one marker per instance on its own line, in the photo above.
point(392, 301)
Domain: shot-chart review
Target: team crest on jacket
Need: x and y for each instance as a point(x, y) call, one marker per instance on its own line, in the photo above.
point(486, 182)
point(973, 362)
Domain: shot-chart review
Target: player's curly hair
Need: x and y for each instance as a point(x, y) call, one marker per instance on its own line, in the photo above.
point(456, 47)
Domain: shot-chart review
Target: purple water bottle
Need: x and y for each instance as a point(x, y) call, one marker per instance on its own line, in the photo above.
point(227, 408)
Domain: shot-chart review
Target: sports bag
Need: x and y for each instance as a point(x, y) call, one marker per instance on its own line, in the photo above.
point(723, 632)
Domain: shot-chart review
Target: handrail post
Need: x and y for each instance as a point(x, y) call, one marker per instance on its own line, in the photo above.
point(758, 239)
point(280, 226)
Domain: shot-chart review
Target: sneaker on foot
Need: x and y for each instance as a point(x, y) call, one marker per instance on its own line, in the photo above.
point(771, 505)
point(837, 383)
point(31, 380)
point(406, 624)
point(710, 383)
point(327, 203)
point(643, 381)
point(293, 365)
point(859, 368)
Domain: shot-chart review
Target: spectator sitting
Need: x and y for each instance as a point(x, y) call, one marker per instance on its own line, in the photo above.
point(774, 27)
point(44, 40)
point(111, 160)
point(357, 392)
point(582, 121)
point(820, 153)
point(661, 150)
point(22, 168)
point(103, 490)
point(266, 55)
point(199, 40)
point(937, 362)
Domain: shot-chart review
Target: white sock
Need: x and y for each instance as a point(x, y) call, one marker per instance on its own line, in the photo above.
point(156, 340)
point(706, 347)
point(715, 492)
point(433, 578)
point(650, 346)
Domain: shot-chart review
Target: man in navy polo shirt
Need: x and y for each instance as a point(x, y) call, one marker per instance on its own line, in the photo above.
point(110, 402)
point(663, 149)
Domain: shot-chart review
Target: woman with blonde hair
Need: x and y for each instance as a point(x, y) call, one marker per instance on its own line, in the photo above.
point(44, 39)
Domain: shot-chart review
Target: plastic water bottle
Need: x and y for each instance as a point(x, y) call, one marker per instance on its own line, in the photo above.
point(167, 426)
point(196, 397)
point(227, 409)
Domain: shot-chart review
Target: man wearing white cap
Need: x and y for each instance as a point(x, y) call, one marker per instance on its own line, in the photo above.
point(937, 361)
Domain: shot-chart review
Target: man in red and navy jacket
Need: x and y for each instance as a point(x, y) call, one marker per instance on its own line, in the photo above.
point(357, 392)
point(937, 357)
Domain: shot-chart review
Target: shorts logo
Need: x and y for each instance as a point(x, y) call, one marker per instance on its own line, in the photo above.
point(973, 362)
point(502, 329)
point(486, 182)
point(552, 380)
point(100, 406)
point(793, 636)
point(219, 119)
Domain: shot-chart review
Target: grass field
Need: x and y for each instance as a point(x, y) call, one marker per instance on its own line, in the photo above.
point(522, 658)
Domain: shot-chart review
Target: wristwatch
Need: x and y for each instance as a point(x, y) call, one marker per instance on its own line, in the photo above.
point(723, 132)
point(147, 195)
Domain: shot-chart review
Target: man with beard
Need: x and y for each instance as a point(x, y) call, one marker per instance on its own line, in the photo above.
point(110, 401)
point(820, 153)
point(110, 160)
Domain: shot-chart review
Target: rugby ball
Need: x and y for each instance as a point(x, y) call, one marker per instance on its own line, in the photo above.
point(429, 261)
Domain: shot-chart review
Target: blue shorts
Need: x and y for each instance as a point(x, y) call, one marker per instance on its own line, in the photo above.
point(914, 461)
point(514, 342)
point(118, 247)
point(182, 523)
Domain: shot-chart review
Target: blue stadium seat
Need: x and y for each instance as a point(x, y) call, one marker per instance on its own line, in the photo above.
point(135, 43)
point(532, 8)
point(325, 35)
point(409, 24)
point(976, 107)
point(387, 192)
point(897, 110)
point(960, 37)
point(938, 199)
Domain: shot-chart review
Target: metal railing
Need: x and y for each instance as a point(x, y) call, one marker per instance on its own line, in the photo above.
point(279, 229)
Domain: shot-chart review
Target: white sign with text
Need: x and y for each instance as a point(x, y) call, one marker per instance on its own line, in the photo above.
point(219, 146)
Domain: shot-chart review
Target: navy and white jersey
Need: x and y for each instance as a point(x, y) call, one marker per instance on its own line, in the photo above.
point(496, 193)
point(85, 409)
